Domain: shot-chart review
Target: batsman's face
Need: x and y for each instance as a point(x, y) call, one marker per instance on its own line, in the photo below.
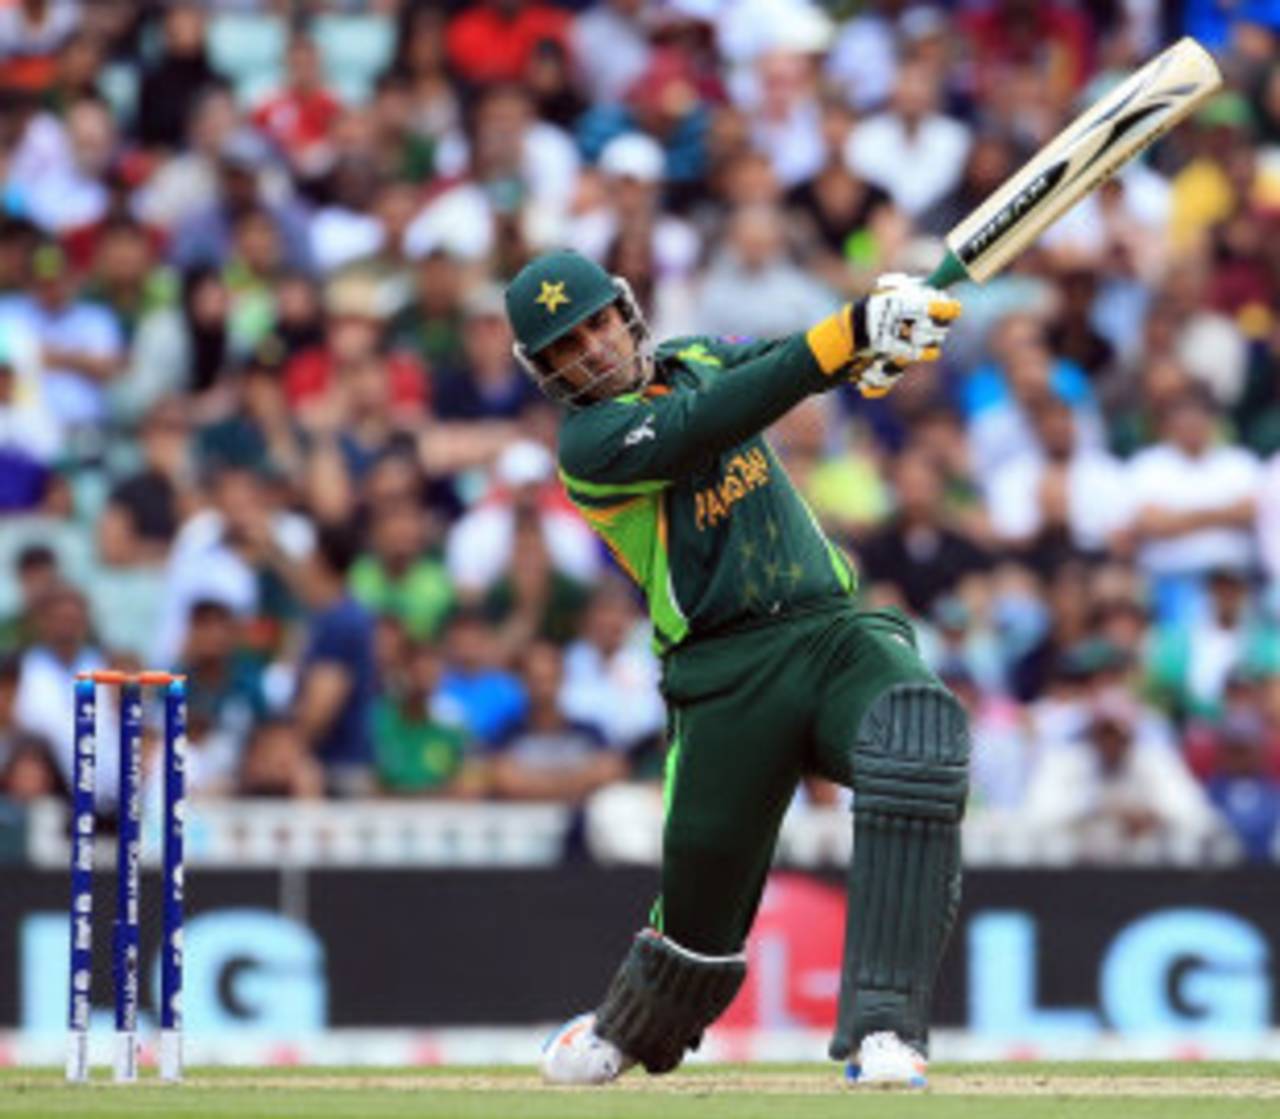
point(599, 353)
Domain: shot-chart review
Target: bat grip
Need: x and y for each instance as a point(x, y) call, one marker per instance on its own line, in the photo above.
point(949, 272)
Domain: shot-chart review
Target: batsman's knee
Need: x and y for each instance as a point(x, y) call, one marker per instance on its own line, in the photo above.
point(911, 754)
point(662, 998)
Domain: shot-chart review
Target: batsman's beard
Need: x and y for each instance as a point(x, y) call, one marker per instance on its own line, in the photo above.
point(596, 377)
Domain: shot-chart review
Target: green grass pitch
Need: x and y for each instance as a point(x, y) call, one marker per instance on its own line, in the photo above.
point(1008, 1091)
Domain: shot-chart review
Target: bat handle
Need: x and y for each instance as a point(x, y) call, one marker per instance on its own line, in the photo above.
point(949, 272)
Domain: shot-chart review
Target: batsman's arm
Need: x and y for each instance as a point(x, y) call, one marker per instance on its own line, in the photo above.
point(658, 436)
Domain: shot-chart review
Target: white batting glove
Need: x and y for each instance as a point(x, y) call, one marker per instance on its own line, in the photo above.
point(879, 378)
point(902, 321)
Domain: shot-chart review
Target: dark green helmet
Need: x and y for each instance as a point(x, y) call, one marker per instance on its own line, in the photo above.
point(548, 298)
point(552, 294)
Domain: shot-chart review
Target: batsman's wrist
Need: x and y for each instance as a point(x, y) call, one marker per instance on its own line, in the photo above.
point(858, 323)
point(838, 339)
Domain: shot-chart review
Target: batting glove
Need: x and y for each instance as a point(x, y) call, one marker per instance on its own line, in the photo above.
point(902, 321)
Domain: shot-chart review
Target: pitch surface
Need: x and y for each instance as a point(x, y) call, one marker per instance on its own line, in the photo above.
point(1099, 1091)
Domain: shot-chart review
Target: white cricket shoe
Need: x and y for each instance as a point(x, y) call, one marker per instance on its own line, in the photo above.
point(576, 1054)
point(886, 1061)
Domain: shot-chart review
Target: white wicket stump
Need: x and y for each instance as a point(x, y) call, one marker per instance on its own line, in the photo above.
point(171, 1055)
point(77, 1055)
point(125, 1064)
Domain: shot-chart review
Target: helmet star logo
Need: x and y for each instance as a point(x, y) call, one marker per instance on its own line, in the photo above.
point(551, 296)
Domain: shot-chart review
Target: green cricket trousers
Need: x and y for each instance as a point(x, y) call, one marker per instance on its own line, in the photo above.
point(751, 712)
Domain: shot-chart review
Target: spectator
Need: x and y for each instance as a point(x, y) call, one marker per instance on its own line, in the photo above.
point(253, 273)
point(431, 325)
point(174, 83)
point(1191, 660)
point(1072, 333)
point(300, 119)
point(350, 428)
point(1004, 752)
point(242, 550)
point(1191, 505)
point(245, 182)
point(355, 324)
point(1242, 789)
point(991, 159)
point(333, 706)
point(10, 732)
point(527, 167)
point(1000, 398)
point(1113, 796)
point(419, 747)
point(345, 230)
point(488, 385)
point(81, 345)
point(252, 426)
point(955, 639)
point(863, 59)
point(225, 692)
point(399, 574)
point(481, 545)
point(124, 276)
point(70, 192)
point(30, 438)
point(1060, 500)
point(611, 677)
point(550, 76)
point(610, 47)
point(786, 114)
point(840, 480)
point(29, 773)
point(916, 550)
point(547, 756)
point(911, 133)
point(1057, 645)
point(278, 764)
point(753, 287)
point(31, 34)
point(490, 700)
point(36, 568)
point(1010, 34)
point(842, 215)
point(405, 151)
point(143, 512)
point(631, 169)
point(531, 598)
point(189, 181)
point(494, 40)
point(663, 102)
point(64, 646)
point(300, 318)
point(1269, 519)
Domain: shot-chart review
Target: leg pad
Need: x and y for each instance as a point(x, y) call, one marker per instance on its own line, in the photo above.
point(910, 782)
point(663, 997)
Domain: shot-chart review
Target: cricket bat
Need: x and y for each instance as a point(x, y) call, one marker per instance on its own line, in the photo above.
point(1094, 146)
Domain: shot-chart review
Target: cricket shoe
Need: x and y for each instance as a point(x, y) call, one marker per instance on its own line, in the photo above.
point(886, 1061)
point(576, 1054)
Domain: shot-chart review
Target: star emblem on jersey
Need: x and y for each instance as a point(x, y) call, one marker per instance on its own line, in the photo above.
point(551, 296)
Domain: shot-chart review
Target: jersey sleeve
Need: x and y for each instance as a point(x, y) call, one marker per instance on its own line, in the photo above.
point(644, 441)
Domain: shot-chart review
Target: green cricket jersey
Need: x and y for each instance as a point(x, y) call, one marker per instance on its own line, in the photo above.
point(689, 496)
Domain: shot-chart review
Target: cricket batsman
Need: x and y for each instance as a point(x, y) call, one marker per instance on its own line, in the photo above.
point(769, 671)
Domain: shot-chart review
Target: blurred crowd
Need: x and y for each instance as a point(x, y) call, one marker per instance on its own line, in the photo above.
point(260, 420)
